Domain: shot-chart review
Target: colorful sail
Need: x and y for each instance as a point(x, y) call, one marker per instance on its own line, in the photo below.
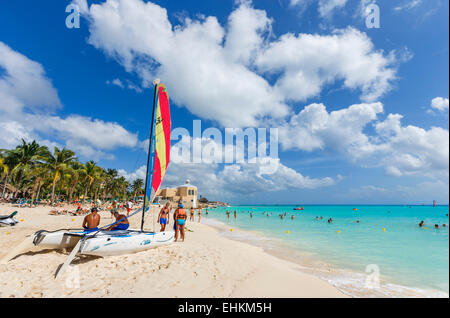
point(160, 149)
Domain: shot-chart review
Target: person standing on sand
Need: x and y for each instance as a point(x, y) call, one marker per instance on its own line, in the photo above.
point(180, 217)
point(91, 221)
point(192, 217)
point(163, 217)
point(129, 207)
point(199, 214)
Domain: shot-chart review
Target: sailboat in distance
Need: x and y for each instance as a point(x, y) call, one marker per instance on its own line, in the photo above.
point(107, 243)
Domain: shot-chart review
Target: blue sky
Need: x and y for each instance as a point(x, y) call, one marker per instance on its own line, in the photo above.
point(291, 64)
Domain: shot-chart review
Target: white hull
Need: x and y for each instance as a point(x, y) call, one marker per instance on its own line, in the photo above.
point(8, 222)
point(104, 243)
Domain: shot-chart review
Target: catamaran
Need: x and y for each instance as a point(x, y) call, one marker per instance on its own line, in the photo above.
point(107, 243)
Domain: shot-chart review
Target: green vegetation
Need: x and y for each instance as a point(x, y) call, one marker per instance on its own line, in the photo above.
point(33, 171)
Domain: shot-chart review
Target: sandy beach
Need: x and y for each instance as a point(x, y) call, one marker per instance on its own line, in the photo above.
point(205, 265)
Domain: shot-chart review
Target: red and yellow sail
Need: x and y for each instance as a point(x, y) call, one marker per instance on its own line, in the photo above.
point(161, 139)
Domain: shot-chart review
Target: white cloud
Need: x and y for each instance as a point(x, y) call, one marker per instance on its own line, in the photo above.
point(27, 103)
point(308, 62)
point(116, 82)
point(401, 150)
point(408, 5)
point(326, 7)
point(314, 128)
point(128, 84)
point(138, 174)
point(24, 84)
point(411, 150)
point(440, 104)
point(227, 180)
point(217, 73)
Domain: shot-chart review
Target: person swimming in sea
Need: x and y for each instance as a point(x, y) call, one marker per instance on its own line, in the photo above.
point(422, 223)
point(91, 221)
point(163, 217)
point(292, 217)
point(330, 220)
point(180, 217)
point(228, 215)
point(122, 224)
point(436, 226)
point(235, 214)
point(251, 215)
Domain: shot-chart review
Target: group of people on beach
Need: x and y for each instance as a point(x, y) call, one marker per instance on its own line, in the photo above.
point(92, 220)
point(179, 217)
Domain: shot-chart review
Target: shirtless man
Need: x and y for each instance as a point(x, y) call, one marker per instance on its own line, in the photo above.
point(163, 217)
point(91, 221)
point(122, 225)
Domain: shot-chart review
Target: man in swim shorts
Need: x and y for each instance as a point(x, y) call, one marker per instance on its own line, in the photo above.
point(129, 206)
point(180, 217)
point(163, 217)
point(120, 226)
point(91, 221)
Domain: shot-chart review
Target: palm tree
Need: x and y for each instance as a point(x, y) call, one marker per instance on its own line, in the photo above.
point(137, 187)
point(74, 172)
point(39, 173)
point(90, 171)
point(9, 161)
point(57, 163)
point(27, 156)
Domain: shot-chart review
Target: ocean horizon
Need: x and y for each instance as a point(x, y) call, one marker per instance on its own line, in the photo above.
point(410, 260)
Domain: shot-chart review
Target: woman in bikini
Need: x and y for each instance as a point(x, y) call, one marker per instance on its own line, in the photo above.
point(180, 221)
point(192, 215)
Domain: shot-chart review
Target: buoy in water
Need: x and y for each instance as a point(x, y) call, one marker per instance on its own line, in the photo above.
point(288, 232)
point(339, 232)
point(384, 230)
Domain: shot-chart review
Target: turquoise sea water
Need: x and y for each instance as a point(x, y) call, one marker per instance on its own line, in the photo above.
point(387, 236)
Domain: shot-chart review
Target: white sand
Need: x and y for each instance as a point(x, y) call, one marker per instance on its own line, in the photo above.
point(206, 265)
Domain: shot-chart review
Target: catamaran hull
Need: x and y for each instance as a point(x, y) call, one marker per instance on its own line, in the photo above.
point(126, 244)
point(8, 222)
point(104, 243)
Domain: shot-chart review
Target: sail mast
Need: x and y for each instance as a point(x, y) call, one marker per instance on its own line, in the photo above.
point(155, 82)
